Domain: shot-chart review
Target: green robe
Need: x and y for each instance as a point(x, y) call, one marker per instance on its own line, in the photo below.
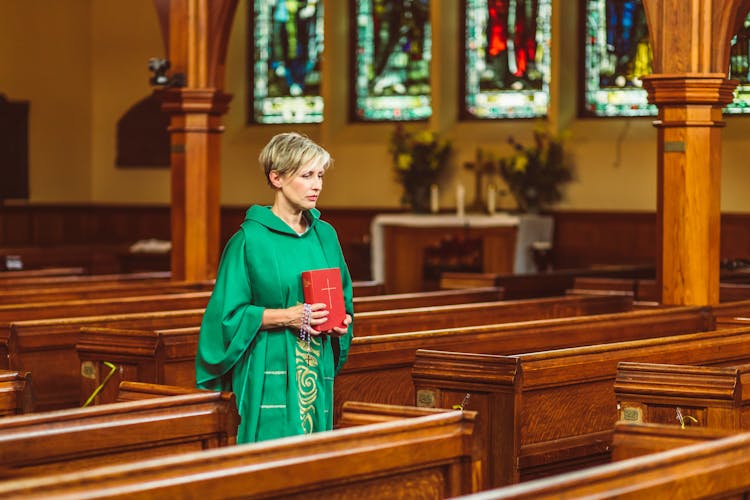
point(281, 389)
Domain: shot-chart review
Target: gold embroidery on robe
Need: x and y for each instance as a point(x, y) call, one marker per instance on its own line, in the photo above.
point(307, 381)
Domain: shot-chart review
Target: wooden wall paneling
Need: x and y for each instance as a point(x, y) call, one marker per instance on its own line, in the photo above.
point(587, 238)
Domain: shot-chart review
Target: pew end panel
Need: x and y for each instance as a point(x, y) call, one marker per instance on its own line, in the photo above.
point(15, 393)
point(483, 376)
point(155, 356)
point(696, 396)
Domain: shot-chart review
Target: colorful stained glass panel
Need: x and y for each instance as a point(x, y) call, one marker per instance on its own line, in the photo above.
point(507, 54)
point(618, 53)
point(392, 43)
point(286, 44)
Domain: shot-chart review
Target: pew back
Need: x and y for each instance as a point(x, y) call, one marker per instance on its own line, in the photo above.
point(46, 281)
point(635, 439)
point(426, 457)
point(460, 315)
point(426, 299)
point(715, 469)
point(75, 439)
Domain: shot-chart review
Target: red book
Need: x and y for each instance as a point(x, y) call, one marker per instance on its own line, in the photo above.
point(324, 286)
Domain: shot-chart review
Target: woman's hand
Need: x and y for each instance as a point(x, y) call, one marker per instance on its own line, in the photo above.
point(339, 331)
point(293, 317)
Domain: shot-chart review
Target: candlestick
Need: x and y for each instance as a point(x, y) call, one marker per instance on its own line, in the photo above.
point(460, 193)
point(434, 200)
point(491, 199)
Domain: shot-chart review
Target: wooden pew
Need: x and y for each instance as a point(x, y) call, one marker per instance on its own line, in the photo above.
point(379, 368)
point(76, 439)
point(49, 346)
point(556, 282)
point(166, 355)
point(423, 457)
point(645, 289)
point(715, 469)
point(702, 396)
point(426, 299)
point(100, 291)
point(454, 316)
point(632, 439)
point(15, 393)
point(48, 271)
point(46, 348)
point(46, 281)
point(110, 305)
point(367, 288)
point(137, 391)
point(547, 412)
point(354, 413)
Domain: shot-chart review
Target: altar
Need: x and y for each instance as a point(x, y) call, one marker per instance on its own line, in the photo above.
point(409, 249)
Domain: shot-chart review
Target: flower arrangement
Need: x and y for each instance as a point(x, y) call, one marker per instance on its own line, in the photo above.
point(419, 159)
point(535, 174)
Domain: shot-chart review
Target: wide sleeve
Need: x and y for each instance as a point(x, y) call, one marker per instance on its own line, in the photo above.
point(231, 322)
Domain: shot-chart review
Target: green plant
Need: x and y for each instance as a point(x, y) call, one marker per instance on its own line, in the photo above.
point(535, 174)
point(419, 159)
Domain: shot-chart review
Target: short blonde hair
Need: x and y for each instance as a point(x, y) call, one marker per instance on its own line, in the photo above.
point(285, 153)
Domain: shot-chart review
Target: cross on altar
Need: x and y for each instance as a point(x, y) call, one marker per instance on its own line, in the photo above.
point(328, 289)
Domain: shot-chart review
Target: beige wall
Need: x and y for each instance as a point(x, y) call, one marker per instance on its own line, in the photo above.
point(75, 109)
point(45, 58)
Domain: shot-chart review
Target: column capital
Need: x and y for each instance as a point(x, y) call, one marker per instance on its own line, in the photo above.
point(712, 89)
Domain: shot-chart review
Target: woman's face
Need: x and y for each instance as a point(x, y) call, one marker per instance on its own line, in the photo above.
point(301, 189)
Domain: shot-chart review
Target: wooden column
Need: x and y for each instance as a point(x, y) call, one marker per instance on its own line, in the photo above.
point(198, 33)
point(689, 181)
point(194, 129)
point(690, 40)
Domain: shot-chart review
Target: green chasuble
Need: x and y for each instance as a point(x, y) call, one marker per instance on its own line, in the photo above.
point(281, 388)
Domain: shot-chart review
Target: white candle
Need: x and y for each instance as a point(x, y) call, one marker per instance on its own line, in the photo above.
point(490, 199)
point(434, 203)
point(460, 192)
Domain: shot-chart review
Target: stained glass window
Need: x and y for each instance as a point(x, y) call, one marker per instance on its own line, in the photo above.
point(286, 44)
point(618, 53)
point(392, 42)
point(738, 70)
point(507, 58)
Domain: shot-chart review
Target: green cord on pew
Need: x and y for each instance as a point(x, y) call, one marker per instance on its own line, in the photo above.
point(112, 370)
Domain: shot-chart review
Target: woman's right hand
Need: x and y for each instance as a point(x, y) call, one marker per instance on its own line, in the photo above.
point(318, 316)
point(291, 317)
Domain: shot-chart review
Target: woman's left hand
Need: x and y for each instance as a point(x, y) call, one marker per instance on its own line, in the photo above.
point(339, 331)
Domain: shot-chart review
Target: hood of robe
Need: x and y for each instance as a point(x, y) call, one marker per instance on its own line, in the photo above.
point(263, 215)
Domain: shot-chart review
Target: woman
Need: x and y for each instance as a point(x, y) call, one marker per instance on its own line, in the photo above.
point(256, 333)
